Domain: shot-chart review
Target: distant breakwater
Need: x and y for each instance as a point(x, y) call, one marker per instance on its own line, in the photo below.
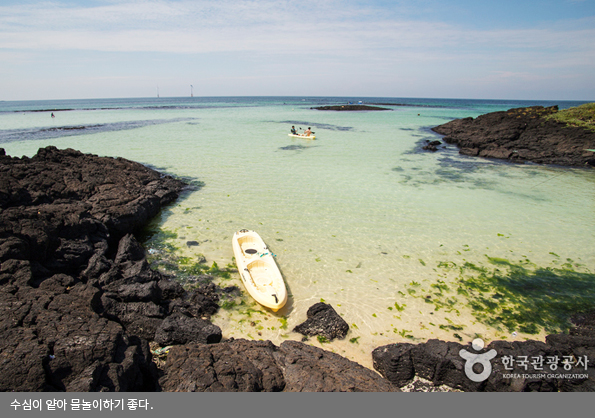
point(350, 108)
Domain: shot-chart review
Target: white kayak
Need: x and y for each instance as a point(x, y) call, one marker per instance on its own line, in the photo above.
point(303, 136)
point(258, 270)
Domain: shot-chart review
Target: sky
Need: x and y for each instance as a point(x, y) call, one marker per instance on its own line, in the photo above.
point(480, 49)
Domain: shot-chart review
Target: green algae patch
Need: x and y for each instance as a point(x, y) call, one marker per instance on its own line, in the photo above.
point(227, 304)
point(399, 308)
point(249, 311)
point(403, 333)
point(322, 339)
point(520, 296)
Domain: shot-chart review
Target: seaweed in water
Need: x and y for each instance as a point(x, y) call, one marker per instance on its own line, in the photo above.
point(524, 297)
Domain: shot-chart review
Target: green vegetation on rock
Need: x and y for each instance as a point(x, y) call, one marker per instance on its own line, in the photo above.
point(580, 116)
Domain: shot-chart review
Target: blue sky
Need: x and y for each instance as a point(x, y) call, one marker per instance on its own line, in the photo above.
point(541, 49)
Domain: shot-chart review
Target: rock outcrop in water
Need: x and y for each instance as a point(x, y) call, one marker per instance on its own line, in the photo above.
point(79, 304)
point(350, 107)
point(323, 320)
point(522, 135)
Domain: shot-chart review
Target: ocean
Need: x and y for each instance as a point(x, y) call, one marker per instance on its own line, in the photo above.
point(407, 245)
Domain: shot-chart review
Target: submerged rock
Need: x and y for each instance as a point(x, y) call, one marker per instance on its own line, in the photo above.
point(293, 148)
point(432, 145)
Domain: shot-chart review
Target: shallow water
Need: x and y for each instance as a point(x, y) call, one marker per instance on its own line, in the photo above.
point(360, 218)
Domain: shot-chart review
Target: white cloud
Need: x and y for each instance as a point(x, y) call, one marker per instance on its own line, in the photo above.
point(263, 27)
point(332, 36)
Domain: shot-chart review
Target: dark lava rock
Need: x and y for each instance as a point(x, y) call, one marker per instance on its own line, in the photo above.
point(312, 369)
point(260, 366)
point(233, 366)
point(323, 320)
point(181, 329)
point(352, 108)
point(395, 363)
point(441, 363)
point(436, 361)
point(78, 301)
point(521, 135)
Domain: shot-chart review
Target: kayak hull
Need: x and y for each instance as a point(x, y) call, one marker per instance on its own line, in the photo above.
point(258, 270)
point(302, 136)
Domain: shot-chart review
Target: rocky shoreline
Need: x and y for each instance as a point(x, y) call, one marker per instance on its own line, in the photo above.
point(563, 363)
point(83, 311)
point(521, 135)
point(81, 308)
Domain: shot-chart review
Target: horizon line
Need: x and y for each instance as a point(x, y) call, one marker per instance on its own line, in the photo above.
point(302, 97)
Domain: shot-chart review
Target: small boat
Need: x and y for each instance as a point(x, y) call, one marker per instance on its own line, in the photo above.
point(258, 270)
point(302, 136)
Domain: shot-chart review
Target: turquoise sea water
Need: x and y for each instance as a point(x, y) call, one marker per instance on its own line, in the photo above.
point(405, 244)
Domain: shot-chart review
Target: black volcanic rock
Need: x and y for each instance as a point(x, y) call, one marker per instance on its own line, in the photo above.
point(521, 135)
point(78, 303)
point(441, 363)
point(323, 320)
point(181, 329)
point(312, 369)
point(260, 366)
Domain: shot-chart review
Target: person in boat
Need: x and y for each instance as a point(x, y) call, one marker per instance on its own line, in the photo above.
point(308, 132)
point(293, 131)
